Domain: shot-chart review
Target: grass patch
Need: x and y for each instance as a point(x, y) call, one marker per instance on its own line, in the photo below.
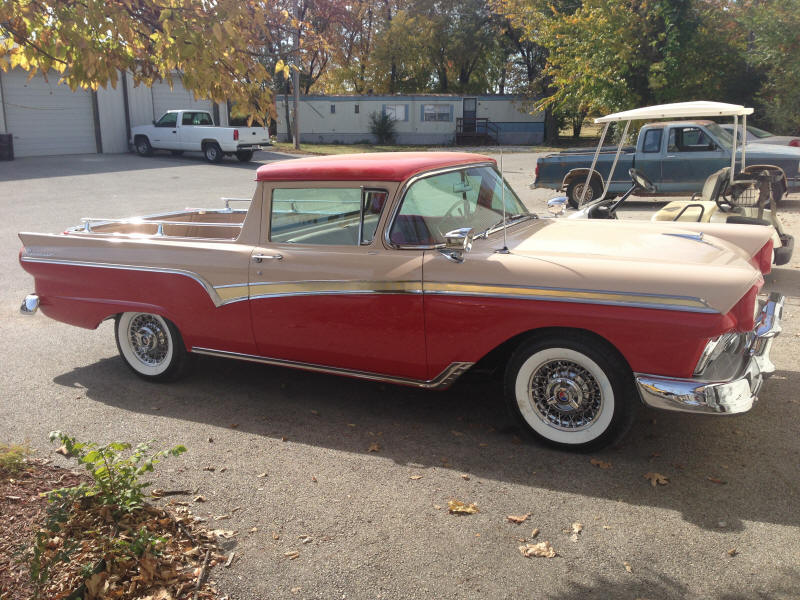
point(12, 458)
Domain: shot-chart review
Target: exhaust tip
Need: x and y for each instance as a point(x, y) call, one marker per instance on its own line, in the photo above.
point(30, 305)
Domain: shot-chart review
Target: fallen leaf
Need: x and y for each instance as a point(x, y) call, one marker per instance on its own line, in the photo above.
point(230, 559)
point(574, 537)
point(628, 567)
point(261, 475)
point(223, 533)
point(374, 447)
point(606, 527)
point(456, 507)
point(535, 532)
point(600, 463)
point(199, 498)
point(415, 477)
point(542, 549)
point(465, 477)
point(210, 440)
point(234, 425)
point(715, 480)
point(97, 585)
point(284, 438)
point(656, 479)
point(253, 529)
point(733, 552)
point(577, 527)
point(437, 507)
point(306, 539)
point(518, 518)
point(275, 536)
point(294, 590)
point(62, 450)
point(313, 479)
point(292, 554)
point(209, 468)
point(222, 517)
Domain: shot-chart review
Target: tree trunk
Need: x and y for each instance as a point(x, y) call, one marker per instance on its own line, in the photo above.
point(550, 127)
point(289, 126)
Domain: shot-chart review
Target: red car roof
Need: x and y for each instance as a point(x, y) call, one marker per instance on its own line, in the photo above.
point(378, 166)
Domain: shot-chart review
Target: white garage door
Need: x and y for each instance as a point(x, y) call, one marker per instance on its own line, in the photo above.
point(179, 98)
point(46, 118)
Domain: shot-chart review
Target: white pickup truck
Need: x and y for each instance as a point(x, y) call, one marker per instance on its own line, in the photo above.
point(194, 131)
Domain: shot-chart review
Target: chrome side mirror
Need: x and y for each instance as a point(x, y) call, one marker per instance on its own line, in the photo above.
point(458, 243)
point(557, 206)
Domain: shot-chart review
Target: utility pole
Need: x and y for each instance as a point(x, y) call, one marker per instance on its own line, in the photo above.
point(296, 86)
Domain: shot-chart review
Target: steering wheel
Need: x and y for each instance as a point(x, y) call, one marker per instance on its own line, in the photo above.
point(640, 180)
point(457, 205)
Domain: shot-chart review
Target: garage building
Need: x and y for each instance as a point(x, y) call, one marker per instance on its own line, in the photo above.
point(47, 118)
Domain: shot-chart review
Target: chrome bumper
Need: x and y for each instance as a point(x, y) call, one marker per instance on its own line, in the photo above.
point(735, 395)
point(30, 305)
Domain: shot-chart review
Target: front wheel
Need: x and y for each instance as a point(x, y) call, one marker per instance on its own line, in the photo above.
point(143, 147)
point(575, 191)
point(151, 346)
point(212, 152)
point(570, 391)
point(244, 155)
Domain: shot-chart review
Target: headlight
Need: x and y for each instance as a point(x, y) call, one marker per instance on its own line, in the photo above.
point(729, 342)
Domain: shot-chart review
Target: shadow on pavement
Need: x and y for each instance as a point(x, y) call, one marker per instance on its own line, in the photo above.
point(39, 167)
point(714, 463)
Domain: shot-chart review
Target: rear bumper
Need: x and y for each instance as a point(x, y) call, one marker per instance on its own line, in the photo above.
point(732, 396)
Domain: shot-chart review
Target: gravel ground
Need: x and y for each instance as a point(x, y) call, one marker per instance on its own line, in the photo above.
point(375, 529)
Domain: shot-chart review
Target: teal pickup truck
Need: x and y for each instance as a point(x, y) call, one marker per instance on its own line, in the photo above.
point(676, 156)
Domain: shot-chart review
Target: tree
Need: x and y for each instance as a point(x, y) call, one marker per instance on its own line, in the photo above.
point(213, 46)
point(774, 50)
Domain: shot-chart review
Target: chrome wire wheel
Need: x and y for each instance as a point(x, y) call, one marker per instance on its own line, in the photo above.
point(149, 339)
point(150, 345)
point(565, 395)
point(579, 193)
point(566, 392)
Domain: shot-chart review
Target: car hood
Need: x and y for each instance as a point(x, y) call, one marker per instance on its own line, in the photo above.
point(640, 259)
point(765, 151)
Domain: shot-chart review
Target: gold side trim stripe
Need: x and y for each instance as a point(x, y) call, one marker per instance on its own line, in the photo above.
point(556, 294)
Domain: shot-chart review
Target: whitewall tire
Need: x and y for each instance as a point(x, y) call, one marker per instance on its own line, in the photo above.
point(151, 346)
point(570, 391)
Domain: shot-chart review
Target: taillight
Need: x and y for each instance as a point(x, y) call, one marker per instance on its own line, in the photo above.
point(536, 172)
point(795, 143)
point(235, 134)
point(762, 259)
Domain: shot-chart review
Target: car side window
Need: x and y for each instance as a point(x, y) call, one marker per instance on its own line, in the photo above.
point(168, 120)
point(652, 140)
point(325, 216)
point(690, 139)
point(202, 118)
point(187, 118)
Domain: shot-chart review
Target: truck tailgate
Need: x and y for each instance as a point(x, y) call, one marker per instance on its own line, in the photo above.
point(253, 135)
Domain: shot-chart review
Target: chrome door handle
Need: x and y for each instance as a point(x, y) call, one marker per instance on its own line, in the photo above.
point(259, 257)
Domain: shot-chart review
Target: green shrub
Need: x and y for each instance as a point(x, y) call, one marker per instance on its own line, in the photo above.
point(12, 458)
point(382, 127)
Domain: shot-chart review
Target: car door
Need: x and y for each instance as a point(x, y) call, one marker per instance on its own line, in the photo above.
point(318, 297)
point(650, 154)
point(165, 132)
point(691, 156)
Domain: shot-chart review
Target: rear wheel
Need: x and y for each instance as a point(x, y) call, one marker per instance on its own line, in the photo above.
point(575, 191)
point(143, 147)
point(151, 346)
point(570, 391)
point(244, 155)
point(212, 152)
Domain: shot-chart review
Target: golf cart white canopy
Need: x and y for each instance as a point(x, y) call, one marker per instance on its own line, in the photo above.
point(677, 110)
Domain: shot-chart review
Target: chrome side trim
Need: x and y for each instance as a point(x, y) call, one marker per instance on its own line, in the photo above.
point(441, 381)
point(77, 263)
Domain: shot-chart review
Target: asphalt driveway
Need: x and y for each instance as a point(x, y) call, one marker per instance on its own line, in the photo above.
point(329, 466)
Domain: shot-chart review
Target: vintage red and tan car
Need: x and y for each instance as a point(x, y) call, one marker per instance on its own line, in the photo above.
point(412, 268)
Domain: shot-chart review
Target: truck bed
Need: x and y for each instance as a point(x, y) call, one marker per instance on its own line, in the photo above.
point(193, 223)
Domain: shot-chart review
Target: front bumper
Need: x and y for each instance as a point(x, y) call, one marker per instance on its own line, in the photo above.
point(731, 396)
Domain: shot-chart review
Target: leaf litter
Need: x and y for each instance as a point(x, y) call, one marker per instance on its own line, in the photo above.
point(456, 507)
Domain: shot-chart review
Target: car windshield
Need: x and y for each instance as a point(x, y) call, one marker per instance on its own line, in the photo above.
point(759, 133)
point(470, 197)
point(725, 138)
